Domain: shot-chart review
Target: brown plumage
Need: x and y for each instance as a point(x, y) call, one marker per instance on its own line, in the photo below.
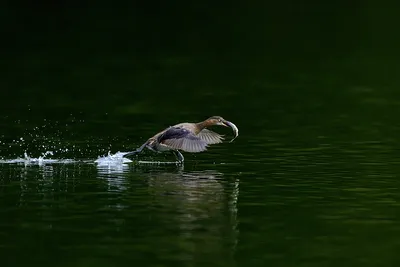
point(188, 137)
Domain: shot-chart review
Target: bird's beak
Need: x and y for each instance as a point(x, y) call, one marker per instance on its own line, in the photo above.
point(233, 126)
point(224, 123)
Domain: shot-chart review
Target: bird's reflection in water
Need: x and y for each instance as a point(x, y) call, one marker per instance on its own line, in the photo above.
point(194, 211)
point(202, 207)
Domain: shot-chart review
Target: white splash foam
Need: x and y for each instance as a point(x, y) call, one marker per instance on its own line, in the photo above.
point(27, 160)
point(113, 159)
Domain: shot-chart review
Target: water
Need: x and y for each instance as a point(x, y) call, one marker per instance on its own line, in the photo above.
point(295, 188)
point(312, 180)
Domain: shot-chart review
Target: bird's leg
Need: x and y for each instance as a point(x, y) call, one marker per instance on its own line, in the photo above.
point(179, 156)
point(151, 148)
point(137, 151)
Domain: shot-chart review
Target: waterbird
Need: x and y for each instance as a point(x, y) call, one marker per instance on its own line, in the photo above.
point(186, 136)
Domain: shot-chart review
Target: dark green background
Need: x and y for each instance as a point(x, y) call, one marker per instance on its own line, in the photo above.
point(312, 180)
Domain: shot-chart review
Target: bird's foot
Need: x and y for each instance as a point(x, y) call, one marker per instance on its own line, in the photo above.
point(179, 157)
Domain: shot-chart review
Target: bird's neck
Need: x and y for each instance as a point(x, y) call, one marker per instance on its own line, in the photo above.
point(203, 124)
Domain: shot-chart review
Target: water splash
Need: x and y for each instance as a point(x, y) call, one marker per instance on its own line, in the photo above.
point(113, 159)
point(58, 142)
point(119, 159)
point(41, 160)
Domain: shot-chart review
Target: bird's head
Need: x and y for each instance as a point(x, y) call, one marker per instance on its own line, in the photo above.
point(218, 120)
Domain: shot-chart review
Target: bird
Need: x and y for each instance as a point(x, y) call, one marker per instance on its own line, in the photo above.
point(187, 137)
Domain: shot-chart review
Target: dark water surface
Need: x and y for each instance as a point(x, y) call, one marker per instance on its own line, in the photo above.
point(312, 179)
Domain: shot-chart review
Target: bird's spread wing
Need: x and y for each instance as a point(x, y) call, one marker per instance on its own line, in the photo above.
point(210, 137)
point(180, 138)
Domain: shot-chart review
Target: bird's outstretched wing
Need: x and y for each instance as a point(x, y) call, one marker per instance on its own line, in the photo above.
point(182, 139)
point(210, 137)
